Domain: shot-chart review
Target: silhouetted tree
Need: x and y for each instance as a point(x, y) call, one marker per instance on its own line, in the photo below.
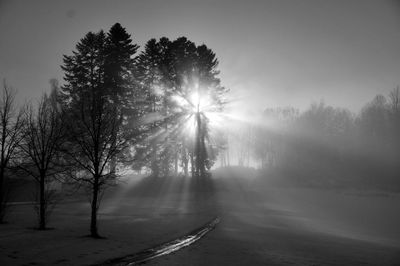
point(94, 117)
point(118, 75)
point(84, 69)
point(11, 123)
point(151, 69)
point(95, 139)
point(170, 73)
point(44, 135)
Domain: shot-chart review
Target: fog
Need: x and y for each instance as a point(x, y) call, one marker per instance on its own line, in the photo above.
point(322, 146)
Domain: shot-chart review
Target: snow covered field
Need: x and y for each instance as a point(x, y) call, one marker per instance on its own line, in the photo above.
point(259, 226)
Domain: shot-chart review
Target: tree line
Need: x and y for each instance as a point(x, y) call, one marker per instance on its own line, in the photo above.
point(116, 108)
point(326, 146)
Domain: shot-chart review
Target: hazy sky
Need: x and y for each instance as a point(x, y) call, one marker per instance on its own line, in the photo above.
point(272, 53)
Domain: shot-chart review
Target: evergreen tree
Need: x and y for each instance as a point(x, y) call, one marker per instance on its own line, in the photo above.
point(84, 69)
point(151, 71)
point(178, 69)
point(118, 65)
point(118, 76)
point(195, 72)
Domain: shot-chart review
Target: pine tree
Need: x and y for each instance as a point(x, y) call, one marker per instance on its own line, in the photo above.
point(151, 71)
point(118, 79)
point(119, 65)
point(167, 70)
point(84, 69)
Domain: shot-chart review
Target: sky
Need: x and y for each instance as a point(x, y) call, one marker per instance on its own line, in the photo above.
point(271, 53)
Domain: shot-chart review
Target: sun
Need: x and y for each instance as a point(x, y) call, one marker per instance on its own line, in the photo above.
point(195, 101)
point(198, 108)
point(200, 102)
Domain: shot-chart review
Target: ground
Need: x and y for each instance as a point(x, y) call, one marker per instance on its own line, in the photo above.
point(259, 225)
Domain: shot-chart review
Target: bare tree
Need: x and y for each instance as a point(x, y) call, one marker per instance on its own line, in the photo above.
point(95, 139)
point(43, 137)
point(11, 128)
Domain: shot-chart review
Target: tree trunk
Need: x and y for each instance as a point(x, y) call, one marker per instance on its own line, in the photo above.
point(154, 161)
point(93, 220)
point(1, 182)
point(176, 160)
point(113, 166)
point(113, 161)
point(2, 195)
point(42, 204)
point(192, 164)
point(185, 162)
point(2, 171)
point(198, 145)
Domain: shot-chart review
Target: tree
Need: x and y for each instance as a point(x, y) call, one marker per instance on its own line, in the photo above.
point(84, 69)
point(11, 124)
point(94, 119)
point(195, 79)
point(373, 119)
point(119, 66)
point(118, 70)
point(95, 141)
point(394, 103)
point(171, 73)
point(44, 135)
point(152, 68)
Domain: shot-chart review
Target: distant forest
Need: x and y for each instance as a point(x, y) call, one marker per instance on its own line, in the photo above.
point(326, 146)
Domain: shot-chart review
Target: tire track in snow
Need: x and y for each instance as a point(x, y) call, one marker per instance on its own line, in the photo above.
point(163, 249)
